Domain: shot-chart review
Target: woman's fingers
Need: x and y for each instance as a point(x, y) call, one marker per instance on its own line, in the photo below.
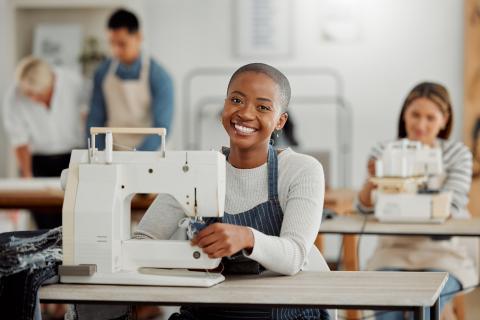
point(371, 167)
point(220, 239)
point(220, 254)
point(209, 230)
point(208, 240)
point(214, 249)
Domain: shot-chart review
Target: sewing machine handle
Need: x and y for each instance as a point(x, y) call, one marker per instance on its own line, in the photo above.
point(162, 132)
point(98, 130)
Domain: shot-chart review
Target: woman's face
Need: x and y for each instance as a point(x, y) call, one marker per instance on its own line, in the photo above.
point(252, 110)
point(424, 120)
point(39, 97)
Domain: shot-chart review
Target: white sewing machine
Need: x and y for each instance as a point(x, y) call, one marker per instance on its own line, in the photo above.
point(408, 178)
point(99, 187)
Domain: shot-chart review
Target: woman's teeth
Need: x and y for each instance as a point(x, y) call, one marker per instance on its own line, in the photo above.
point(243, 129)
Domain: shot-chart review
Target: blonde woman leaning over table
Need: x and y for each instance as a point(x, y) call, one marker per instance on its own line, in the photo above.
point(42, 120)
point(427, 116)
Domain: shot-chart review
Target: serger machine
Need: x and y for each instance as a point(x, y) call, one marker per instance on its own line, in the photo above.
point(409, 176)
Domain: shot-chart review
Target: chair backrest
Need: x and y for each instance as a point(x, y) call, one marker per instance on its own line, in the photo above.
point(323, 156)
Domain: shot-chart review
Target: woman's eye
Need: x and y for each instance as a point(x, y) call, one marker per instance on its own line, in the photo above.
point(236, 100)
point(264, 108)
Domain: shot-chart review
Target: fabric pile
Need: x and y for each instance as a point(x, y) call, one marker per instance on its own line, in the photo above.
point(28, 259)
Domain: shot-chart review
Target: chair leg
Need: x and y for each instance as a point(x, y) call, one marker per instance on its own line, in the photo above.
point(351, 263)
point(448, 313)
point(459, 306)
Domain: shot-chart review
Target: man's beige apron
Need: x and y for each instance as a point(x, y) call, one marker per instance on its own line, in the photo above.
point(128, 104)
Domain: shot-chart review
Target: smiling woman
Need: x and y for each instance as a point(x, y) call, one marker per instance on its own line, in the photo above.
point(273, 202)
point(253, 109)
point(426, 114)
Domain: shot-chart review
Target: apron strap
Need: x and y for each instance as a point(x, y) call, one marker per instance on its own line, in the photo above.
point(226, 152)
point(112, 69)
point(144, 68)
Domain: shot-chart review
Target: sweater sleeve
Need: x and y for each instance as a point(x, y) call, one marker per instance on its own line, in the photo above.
point(161, 219)
point(375, 153)
point(287, 253)
point(458, 160)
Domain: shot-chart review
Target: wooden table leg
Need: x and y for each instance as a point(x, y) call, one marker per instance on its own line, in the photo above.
point(350, 254)
point(350, 262)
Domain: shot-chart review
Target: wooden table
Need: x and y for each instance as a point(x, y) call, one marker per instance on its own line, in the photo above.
point(45, 195)
point(354, 224)
point(367, 224)
point(416, 291)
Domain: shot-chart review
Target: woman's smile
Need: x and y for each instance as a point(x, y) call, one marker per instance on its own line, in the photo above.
point(243, 129)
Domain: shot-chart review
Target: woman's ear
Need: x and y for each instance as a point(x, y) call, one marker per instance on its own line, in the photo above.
point(223, 110)
point(281, 121)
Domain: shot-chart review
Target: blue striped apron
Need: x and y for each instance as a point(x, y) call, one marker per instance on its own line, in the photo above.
point(266, 217)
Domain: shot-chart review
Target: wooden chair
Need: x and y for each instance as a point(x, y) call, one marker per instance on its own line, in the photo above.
point(473, 245)
point(458, 302)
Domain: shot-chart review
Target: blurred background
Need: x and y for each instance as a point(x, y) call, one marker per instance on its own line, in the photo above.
point(350, 63)
point(358, 56)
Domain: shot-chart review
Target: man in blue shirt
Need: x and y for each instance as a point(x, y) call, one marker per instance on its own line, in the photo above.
point(130, 89)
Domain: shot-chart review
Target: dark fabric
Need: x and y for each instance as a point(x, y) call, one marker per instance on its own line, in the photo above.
point(24, 250)
point(267, 217)
point(27, 259)
point(48, 166)
point(18, 292)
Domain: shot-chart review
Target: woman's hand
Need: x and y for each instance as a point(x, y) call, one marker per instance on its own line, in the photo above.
point(365, 194)
point(221, 240)
point(371, 167)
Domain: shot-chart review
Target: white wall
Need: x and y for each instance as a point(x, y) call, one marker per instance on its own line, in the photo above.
point(401, 42)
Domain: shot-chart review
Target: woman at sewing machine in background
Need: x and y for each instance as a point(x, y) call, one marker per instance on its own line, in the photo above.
point(274, 198)
point(427, 116)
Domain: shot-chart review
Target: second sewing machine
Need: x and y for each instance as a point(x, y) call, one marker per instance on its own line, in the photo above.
point(409, 176)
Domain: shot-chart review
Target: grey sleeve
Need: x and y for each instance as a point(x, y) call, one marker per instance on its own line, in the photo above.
point(459, 179)
point(375, 153)
point(161, 219)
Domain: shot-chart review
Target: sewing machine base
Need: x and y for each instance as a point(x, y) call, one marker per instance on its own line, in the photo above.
point(401, 220)
point(413, 208)
point(150, 277)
